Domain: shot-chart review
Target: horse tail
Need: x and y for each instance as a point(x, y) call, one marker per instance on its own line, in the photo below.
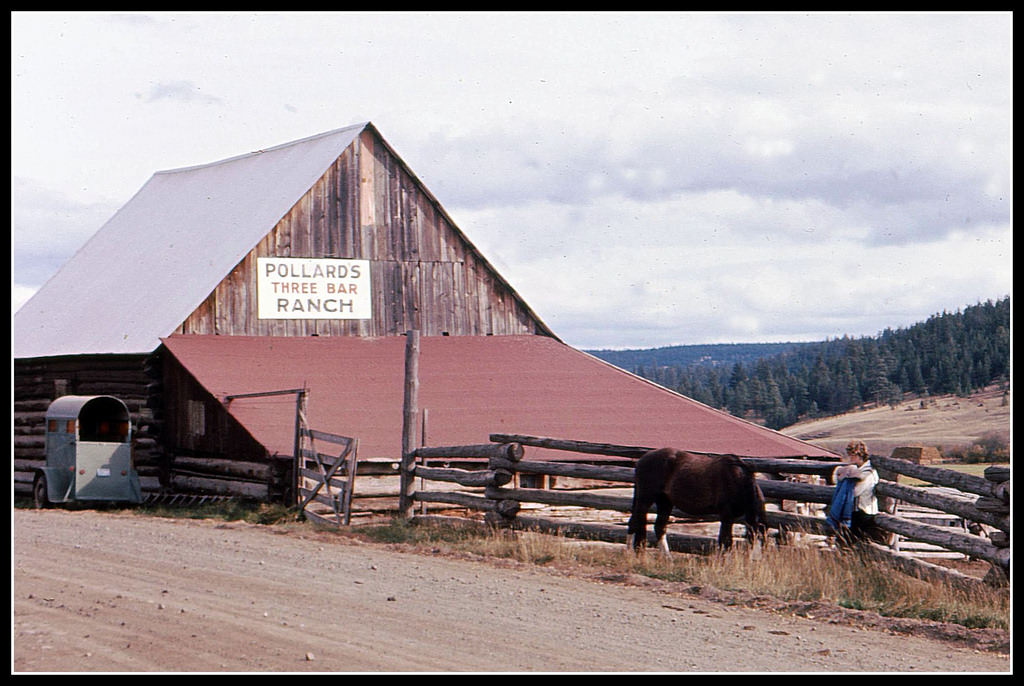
point(754, 497)
point(649, 478)
point(755, 515)
point(757, 497)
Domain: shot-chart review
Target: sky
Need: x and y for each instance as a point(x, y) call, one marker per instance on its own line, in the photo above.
point(641, 179)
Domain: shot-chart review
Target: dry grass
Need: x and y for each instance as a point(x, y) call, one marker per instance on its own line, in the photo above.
point(949, 423)
point(787, 573)
point(847, 579)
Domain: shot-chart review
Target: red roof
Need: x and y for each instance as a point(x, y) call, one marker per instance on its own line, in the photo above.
point(471, 387)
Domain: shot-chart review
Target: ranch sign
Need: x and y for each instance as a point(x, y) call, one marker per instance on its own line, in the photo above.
point(309, 288)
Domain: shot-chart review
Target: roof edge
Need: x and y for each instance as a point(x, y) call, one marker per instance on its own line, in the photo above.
point(726, 415)
point(280, 146)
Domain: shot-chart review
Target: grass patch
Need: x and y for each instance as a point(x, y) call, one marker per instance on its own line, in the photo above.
point(226, 509)
point(230, 510)
point(420, 533)
point(788, 573)
point(974, 469)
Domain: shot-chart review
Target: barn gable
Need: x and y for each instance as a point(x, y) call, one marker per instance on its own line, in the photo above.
point(180, 256)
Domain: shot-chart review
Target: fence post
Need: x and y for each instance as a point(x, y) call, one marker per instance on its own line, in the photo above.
point(297, 461)
point(410, 412)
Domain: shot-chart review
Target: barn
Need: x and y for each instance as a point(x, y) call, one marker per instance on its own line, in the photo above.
point(226, 299)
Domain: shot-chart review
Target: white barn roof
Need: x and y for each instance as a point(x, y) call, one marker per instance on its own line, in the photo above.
point(153, 263)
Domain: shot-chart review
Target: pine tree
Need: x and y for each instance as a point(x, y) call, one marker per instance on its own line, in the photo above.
point(950, 352)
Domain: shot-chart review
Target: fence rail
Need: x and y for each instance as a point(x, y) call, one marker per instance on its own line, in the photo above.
point(982, 501)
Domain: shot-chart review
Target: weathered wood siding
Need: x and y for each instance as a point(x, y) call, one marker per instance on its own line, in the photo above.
point(425, 274)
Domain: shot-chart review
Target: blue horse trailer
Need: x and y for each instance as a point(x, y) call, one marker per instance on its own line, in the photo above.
point(88, 452)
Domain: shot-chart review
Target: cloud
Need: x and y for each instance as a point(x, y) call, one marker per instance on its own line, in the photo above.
point(47, 227)
point(133, 19)
point(905, 192)
point(654, 177)
point(745, 268)
point(178, 91)
point(20, 295)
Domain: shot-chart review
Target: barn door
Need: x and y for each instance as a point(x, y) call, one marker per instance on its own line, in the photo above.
point(325, 478)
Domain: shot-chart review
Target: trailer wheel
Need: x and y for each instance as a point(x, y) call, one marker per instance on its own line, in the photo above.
point(39, 492)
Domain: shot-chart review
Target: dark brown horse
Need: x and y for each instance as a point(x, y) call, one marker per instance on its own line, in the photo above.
point(698, 485)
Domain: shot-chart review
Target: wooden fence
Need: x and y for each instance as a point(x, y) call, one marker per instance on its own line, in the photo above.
point(984, 502)
point(325, 478)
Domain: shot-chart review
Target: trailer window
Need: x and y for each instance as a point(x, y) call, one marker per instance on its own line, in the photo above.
point(103, 420)
point(105, 431)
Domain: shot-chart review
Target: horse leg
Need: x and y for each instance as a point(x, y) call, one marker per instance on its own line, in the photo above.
point(725, 532)
point(661, 522)
point(636, 532)
point(636, 536)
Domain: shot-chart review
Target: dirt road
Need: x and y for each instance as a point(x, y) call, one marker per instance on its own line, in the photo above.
point(112, 592)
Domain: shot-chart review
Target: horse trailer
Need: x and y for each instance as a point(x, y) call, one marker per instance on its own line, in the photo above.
point(88, 452)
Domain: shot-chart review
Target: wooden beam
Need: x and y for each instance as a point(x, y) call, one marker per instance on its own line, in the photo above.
point(938, 501)
point(410, 413)
point(464, 477)
point(572, 446)
point(937, 475)
point(580, 471)
point(508, 451)
point(681, 543)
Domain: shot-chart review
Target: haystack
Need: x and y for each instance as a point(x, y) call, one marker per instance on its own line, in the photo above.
point(918, 454)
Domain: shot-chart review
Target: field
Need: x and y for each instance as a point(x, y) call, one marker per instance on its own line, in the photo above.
point(945, 422)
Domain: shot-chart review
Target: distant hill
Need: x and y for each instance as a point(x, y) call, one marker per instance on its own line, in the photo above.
point(973, 428)
point(779, 384)
point(709, 355)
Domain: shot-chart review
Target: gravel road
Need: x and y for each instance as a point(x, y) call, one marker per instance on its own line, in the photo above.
point(98, 591)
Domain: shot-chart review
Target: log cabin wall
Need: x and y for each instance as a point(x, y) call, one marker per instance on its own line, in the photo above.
point(184, 440)
point(208, 451)
point(425, 274)
point(197, 423)
point(41, 380)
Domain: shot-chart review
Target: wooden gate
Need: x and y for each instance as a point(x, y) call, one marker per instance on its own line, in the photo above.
point(324, 478)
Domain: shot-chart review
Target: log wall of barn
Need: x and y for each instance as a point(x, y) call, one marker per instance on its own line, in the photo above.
point(39, 381)
point(208, 451)
point(425, 274)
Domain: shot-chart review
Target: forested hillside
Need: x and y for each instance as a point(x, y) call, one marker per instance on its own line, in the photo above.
point(681, 356)
point(780, 384)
